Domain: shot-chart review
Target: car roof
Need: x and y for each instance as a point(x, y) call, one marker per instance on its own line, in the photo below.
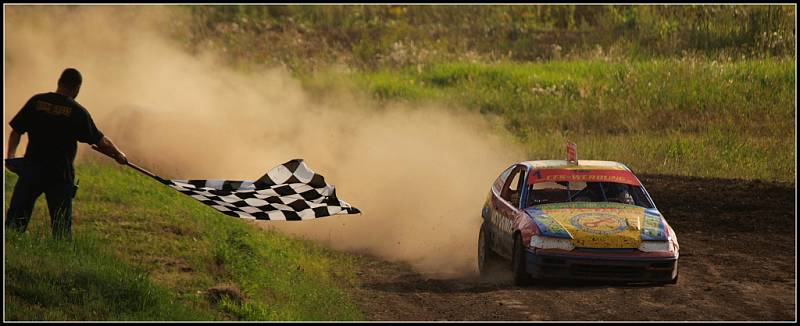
point(584, 164)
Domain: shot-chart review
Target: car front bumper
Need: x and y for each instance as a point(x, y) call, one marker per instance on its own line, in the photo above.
point(627, 269)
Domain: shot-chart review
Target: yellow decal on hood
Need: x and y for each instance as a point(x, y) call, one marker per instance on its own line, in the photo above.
point(598, 223)
point(600, 227)
point(634, 223)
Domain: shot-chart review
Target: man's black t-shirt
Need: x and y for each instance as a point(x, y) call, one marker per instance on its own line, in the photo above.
point(55, 123)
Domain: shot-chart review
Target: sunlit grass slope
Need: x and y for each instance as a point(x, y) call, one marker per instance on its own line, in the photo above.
point(142, 251)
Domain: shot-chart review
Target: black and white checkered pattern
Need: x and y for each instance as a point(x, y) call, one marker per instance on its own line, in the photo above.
point(288, 192)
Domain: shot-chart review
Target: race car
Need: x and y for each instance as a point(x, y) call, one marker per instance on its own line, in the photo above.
point(588, 220)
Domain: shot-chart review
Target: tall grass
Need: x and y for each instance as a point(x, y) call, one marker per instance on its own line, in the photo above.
point(693, 116)
point(376, 36)
point(146, 252)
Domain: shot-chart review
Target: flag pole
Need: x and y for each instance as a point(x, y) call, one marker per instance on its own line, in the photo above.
point(147, 173)
point(134, 166)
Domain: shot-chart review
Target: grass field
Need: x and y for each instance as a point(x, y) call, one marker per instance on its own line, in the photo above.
point(374, 37)
point(733, 119)
point(142, 251)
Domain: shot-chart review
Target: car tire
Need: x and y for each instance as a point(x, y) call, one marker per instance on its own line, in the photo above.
point(518, 263)
point(674, 280)
point(488, 260)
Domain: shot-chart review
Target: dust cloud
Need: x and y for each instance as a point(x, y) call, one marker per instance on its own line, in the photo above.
point(419, 173)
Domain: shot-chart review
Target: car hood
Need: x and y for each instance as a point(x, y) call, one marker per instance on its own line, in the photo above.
point(599, 225)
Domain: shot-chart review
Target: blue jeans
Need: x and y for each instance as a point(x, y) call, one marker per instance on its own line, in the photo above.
point(33, 181)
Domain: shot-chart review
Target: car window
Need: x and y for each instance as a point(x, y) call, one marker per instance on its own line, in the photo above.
point(511, 189)
point(498, 184)
point(563, 191)
point(547, 192)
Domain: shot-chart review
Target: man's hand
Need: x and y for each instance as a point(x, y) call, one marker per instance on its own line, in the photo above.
point(121, 158)
point(105, 146)
point(13, 142)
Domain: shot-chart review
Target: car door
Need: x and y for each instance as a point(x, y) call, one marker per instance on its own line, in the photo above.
point(506, 211)
point(490, 213)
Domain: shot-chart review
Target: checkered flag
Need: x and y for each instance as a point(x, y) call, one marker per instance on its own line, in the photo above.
point(288, 192)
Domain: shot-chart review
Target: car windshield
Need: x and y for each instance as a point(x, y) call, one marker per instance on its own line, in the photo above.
point(567, 191)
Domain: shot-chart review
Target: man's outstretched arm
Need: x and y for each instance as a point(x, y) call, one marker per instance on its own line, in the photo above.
point(105, 146)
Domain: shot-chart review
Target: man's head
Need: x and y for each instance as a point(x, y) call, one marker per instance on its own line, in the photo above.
point(626, 198)
point(69, 84)
point(620, 193)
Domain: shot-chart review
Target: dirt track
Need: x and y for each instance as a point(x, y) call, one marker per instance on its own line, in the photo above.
point(737, 263)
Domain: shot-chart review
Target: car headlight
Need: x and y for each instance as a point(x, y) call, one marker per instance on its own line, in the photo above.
point(656, 246)
point(538, 241)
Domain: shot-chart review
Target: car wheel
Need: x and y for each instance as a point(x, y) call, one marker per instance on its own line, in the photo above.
point(518, 263)
point(488, 260)
point(674, 280)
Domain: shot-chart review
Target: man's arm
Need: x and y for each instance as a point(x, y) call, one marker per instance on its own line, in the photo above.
point(13, 142)
point(105, 146)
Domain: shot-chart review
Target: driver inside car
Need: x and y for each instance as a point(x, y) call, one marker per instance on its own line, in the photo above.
point(619, 193)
